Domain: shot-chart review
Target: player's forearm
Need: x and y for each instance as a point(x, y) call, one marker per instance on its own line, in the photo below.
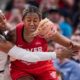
point(4, 21)
point(57, 37)
point(8, 25)
point(22, 54)
point(46, 55)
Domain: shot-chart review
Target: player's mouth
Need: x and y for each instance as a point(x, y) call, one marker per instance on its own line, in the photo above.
point(32, 28)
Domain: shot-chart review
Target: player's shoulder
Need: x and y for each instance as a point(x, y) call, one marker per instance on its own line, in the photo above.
point(19, 24)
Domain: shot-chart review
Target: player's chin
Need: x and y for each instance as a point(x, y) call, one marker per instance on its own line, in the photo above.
point(32, 30)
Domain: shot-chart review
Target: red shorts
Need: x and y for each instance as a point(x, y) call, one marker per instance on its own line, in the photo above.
point(47, 75)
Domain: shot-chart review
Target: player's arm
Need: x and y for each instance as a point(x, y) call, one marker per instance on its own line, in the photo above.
point(6, 29)
point(11, 36)
point(57, 37)
point(47, 30)
point(3, 22)
point(22, 54)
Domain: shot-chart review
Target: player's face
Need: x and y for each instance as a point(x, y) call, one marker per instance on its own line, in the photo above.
point(31, 21)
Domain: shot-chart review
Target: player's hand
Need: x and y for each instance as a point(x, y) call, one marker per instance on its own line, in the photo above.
point(45, 29)
point(64, 53)
point(5, 46)
point(74, 47)
point(2, 17)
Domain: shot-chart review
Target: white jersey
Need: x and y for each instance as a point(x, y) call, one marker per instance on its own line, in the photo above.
point(3, 60)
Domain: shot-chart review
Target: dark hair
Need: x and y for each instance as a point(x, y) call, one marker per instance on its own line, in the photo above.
point(29, 9)
point(9, 5)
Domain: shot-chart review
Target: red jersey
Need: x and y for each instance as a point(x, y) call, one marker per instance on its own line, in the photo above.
point(37, 44)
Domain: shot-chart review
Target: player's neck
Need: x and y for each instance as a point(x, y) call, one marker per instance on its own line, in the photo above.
point(27, 32)
point(26, 35)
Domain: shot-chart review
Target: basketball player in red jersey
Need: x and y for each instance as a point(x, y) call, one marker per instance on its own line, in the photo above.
point(25, 38)
point(22, 70)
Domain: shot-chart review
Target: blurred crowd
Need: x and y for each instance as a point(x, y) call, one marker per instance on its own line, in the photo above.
point(65, 13)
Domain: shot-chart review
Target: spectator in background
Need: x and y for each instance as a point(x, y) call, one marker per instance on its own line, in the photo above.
point(33, 2)
point(51, 48)
point(76, 38)
point(73, 8)
point(39, 1)
point(65, 24)
point(66, 66)
point(71, 5)
point(60, 17)
point(47, 4)
point(13, 11)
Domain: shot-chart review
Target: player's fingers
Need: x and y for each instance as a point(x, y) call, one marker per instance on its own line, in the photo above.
point(50, 33)
point(42, 23)
point(45, 30)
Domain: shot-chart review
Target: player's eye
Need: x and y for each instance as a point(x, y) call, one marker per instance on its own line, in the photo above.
point(35, 20)
point(28, 20)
